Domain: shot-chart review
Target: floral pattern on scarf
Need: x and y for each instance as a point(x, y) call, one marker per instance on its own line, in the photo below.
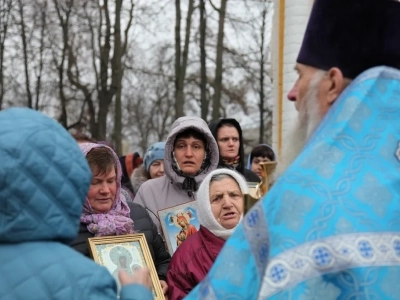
point(117, 220)
point(232, 163)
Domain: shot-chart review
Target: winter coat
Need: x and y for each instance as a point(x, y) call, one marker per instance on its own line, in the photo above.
point(139, 176)
point(249, 175)
point(44, 179)
point(191, 262)
point(167, 191)
point(142, 224)
point(193, 258)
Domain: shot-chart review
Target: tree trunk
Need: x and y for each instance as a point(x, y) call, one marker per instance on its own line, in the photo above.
point(216, 114)
point(203, 66)
point(118, 124)
point(183, 58)
point(25, 55)
point(42, 47)
point(102, 121)
point(5, 10)
point(262, 78)
point(178, 95)
point(64, 23)
point(105, 94)
point(117, 78)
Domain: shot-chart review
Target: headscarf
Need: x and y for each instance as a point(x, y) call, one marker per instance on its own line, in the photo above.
point(116, 221)
point(236, 163)
point(205, 215)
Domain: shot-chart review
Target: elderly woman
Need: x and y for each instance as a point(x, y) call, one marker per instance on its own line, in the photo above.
point(220, 208)
point(152, 167)
point(106, 211)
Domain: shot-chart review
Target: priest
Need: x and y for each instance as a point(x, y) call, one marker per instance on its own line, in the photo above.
point(330, 226)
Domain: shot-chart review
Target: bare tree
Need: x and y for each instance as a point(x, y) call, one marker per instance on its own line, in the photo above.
point(255, 63)
point(72, 59)
point(30, 23)
point(42, 37)
point(119, 51)
point(148, 115)
point(25, 53)
point(64, 14)
point(5, 12)
point(219, 60)
point(262, 100)
point(107, 50)
point(181, 58)
point(203, 62)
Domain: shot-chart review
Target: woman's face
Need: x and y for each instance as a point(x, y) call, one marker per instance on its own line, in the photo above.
point(226, 201)
point(189, 153)
point(102, 191)
point(228, 142)
point(156, 169)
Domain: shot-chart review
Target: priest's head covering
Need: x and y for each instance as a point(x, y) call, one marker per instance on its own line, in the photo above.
point(352, 35)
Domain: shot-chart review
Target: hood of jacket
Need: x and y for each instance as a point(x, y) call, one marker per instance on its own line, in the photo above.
point(180, 125)
point(214, 126)
point(44, 179)
point(139, 176)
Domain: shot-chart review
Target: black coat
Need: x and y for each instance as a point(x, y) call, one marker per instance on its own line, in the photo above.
point(142, 224)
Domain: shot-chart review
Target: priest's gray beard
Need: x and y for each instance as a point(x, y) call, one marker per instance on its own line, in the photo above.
point(308, 120)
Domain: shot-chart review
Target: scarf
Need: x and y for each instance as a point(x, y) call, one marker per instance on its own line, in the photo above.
point(114, 222)
point(205, 215)
point(232, 163)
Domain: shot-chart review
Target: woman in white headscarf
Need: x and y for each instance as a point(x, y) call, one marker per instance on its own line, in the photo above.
point(220, 208)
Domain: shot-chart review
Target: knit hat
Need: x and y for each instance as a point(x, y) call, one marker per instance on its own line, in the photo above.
point(154, 152)
point(204, 213)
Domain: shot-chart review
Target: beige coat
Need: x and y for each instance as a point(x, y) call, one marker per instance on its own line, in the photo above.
point(167, 191)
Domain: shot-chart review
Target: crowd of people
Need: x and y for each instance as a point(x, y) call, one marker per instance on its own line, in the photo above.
point(328, 228)
point(84, 186)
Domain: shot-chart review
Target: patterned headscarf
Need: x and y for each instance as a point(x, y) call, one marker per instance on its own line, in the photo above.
point(116, 221)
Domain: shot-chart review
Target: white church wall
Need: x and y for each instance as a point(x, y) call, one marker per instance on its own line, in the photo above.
point(289, 23)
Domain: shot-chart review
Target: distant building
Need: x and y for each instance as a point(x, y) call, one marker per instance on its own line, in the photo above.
point(289, 23)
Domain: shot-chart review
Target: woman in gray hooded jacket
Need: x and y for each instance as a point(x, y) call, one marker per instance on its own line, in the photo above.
point(191, 152)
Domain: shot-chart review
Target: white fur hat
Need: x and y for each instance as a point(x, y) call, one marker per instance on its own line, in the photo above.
point(205, 215)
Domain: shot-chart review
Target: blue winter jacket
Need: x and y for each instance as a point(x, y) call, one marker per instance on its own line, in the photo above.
point(44, 179)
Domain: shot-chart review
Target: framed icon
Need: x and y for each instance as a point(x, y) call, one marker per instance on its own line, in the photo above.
point(125, 252)
point(178, 223)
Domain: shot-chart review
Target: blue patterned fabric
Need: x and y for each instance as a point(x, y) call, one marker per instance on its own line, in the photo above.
point(44, 178)
point(330, 226)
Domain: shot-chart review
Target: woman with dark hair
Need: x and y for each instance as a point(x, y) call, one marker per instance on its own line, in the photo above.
point(228, 134)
